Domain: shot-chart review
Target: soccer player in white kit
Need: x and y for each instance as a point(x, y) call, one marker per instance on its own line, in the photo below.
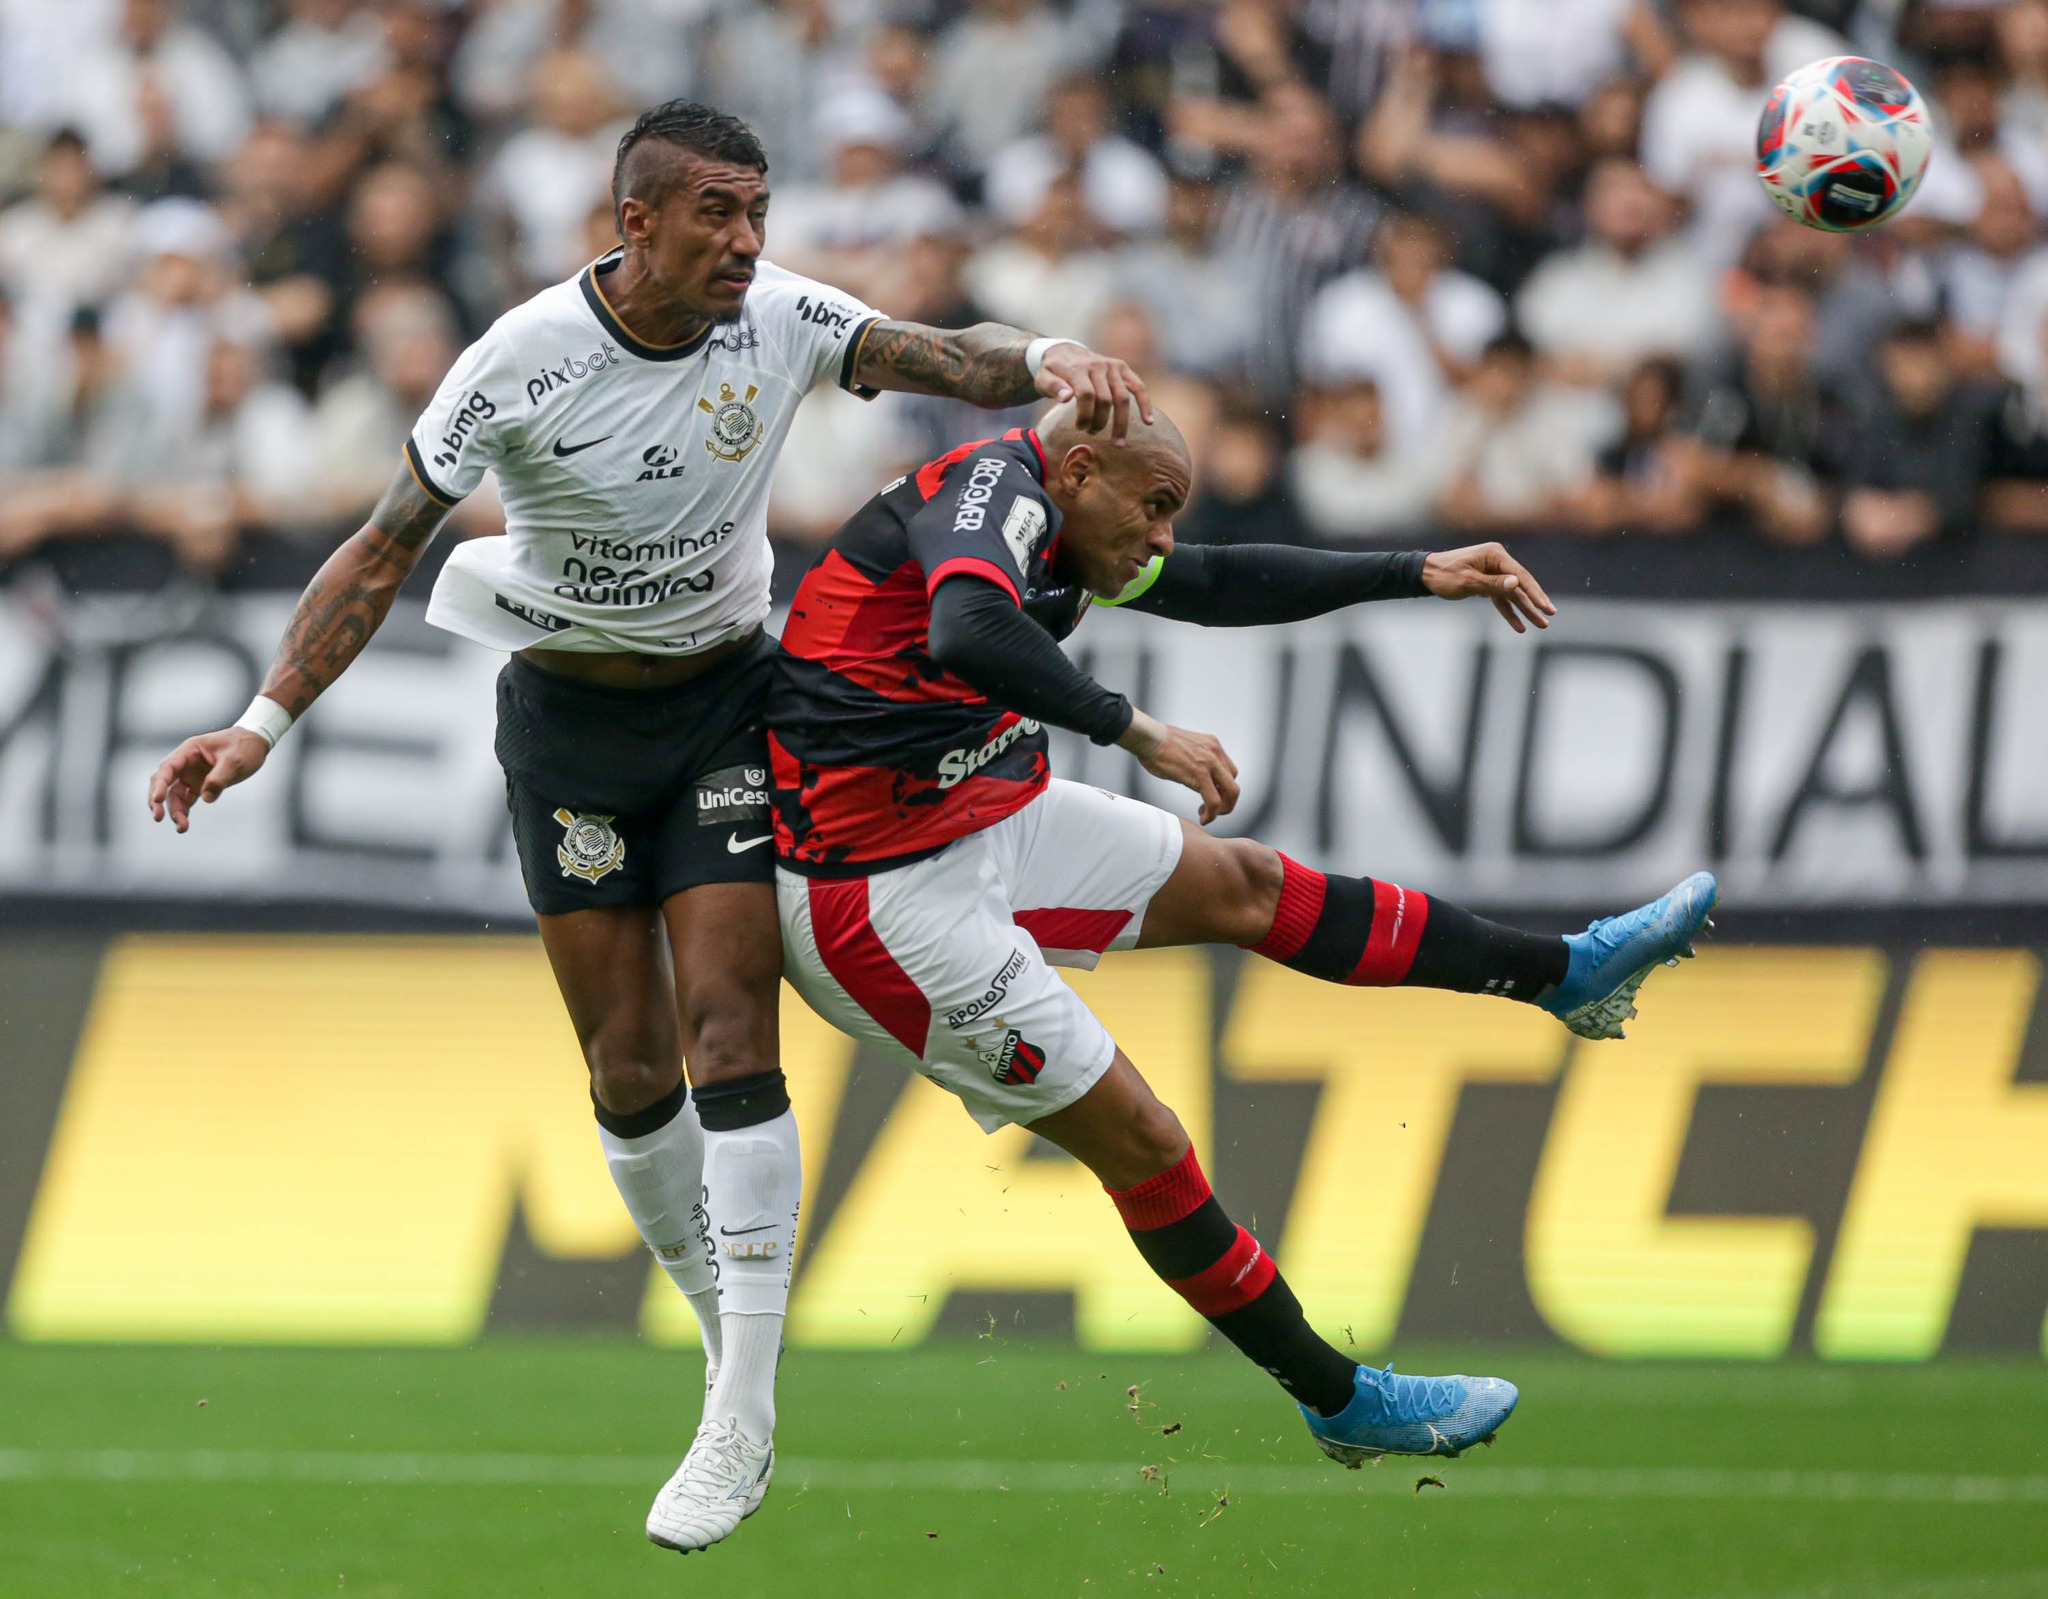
point(633, 416)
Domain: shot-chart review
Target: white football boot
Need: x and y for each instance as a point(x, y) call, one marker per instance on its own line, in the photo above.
point(720, 1483)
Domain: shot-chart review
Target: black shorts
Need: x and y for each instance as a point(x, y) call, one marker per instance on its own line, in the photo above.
point(624, 796)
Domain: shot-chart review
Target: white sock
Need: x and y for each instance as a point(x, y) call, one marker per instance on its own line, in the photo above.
point(660, 1176)
point(745, 1389)
point(753, 1185)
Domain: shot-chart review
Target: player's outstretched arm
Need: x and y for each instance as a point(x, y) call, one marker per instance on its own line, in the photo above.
point(978, 633)
point(1255, 585)
point(344, 604)
point(996, 366)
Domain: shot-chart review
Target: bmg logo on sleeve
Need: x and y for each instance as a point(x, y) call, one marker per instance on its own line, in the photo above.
point(737, 794)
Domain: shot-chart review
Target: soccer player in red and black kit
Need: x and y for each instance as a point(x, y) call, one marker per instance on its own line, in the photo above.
point(931, 872)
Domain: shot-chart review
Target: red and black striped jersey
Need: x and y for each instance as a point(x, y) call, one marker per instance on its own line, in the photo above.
point(880, 755)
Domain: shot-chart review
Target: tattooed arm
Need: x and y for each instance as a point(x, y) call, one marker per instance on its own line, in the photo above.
point(343, 605)
point(985, 364)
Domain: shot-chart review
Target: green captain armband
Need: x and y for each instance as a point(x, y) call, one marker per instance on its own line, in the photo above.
point(1139, 584)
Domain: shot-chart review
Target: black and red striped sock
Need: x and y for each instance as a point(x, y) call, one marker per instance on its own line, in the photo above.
point(1370, 934)
point(1219, 1268)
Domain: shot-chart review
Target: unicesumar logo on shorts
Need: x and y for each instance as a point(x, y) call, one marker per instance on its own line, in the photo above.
point(590, 847)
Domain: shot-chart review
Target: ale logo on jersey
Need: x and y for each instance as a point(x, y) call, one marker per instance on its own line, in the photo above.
point(591, 847)
point(661, 462)
point(735, 429)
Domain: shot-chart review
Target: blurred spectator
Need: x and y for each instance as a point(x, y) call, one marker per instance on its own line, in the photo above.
point(1646, 481)
point(1975, 277)
point(546, 177)
point(1241, 492)
point(245, 465)
point(1413, 327)
point(1052, 273)
point(1633, 289)
point(394, 236)
point(841, 449)
point(1518, 452)
point(2022, 36)
point(408, 340)
point(774, 62)
point(185, 296)
point(1699, 125)
point(1557, 52)
point(1357, 190)
point(41, 46)
point(65, 246)
point(1968, 106)
point(1610, 121)
point(1764, 420)
point(294, 253)
point(1920, 451)
point(1126, 330)
point(406, 113)
point(1201, 301)
point(1853, 302)
point(850, 230)
point(1122, 185)
point(898, 63)
point(644, 45)
point(995, 66)
point(326, 50)
point(2017, 498)
point(1352, 485)
point(161, 101)
point(1295, 221)
point(1501, 181)
point(62, 457)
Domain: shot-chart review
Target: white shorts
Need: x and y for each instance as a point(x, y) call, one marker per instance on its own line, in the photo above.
point(946, 964)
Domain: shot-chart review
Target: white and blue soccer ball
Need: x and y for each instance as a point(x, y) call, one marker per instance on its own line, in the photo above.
point(1843, 144)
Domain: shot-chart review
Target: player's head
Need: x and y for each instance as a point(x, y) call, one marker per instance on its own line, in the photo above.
point(1118, 501)
point(690, 192)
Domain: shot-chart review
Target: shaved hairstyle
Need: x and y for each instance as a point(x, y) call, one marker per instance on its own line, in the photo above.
point(1058, 432)
point(680, 125)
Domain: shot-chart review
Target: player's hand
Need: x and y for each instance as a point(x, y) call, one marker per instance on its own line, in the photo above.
point(200, 768)
point(1193, 760)
point(1488, 569)
point(1102, 388)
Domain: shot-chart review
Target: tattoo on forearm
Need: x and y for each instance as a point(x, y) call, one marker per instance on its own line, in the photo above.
point(350, 595)
point(983, 364)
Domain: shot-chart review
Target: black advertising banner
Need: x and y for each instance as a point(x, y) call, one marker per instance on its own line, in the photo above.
point(1814, 753)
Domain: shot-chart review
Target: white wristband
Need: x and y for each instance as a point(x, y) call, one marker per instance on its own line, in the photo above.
point(267, 719)
point(1034, 352)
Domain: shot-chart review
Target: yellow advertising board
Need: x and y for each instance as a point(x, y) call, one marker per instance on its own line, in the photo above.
point(332, 1138)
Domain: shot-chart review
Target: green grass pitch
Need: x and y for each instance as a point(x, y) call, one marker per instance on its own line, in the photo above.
point(523, 1467)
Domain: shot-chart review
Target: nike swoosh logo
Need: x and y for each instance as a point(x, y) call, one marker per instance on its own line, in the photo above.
point(735, 1232)
point(577, 449)
point(735, 844)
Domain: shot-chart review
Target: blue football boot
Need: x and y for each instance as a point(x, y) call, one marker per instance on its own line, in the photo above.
point(1610, 959)
point(1390, 1415)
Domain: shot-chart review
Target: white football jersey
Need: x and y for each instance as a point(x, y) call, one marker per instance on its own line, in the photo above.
point(635, 477)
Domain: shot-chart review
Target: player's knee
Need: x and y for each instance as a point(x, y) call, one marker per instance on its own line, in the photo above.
point(628, 1073)
point(1249, 895)
point(732, 1035)
point(1153, 1138)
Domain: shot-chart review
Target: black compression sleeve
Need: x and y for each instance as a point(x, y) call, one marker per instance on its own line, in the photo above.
point(978, 633)
point(1251, 585)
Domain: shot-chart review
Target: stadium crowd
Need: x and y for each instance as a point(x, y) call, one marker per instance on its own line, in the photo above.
point(1397, 266)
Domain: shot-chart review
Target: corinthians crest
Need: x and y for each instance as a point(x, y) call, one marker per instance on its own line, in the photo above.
point(590, 846)
point(734, 428)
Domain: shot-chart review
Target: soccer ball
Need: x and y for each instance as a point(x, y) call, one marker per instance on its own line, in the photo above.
point(1843, 144)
